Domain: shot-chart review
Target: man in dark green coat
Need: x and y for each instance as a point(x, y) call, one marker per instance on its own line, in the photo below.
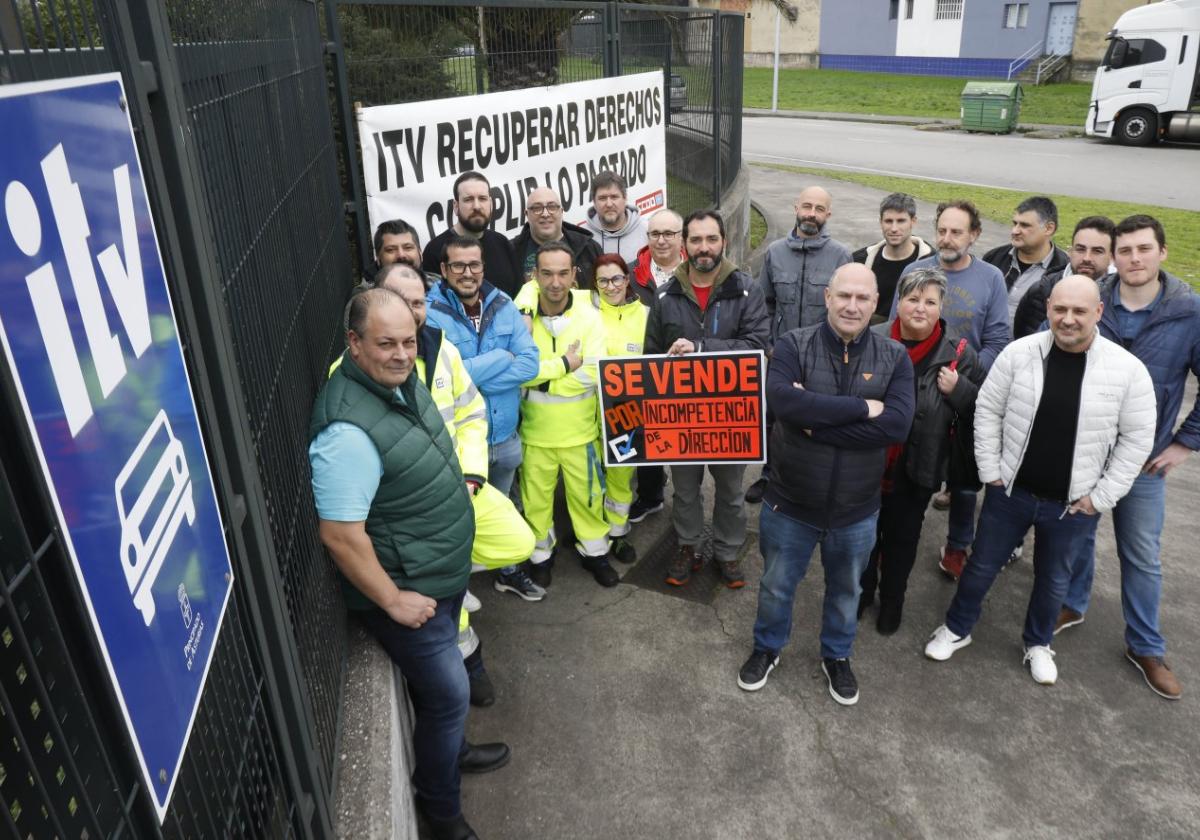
point(395, 514)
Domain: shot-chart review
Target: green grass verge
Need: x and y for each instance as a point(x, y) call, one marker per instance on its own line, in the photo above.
point(895, 95)
point(1183, 234)
point(758, 228)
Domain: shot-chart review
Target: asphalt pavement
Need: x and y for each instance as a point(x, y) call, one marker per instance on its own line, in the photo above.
point(626, 721)
point(1165, 175)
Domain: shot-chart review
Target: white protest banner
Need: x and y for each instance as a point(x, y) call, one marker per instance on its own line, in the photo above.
point(412, 153)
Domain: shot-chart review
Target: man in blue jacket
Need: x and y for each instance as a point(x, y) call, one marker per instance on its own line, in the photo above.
point(499, 354)
point(1156, 317)
point(841, 395)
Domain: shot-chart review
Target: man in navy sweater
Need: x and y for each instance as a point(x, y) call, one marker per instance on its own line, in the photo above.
point(841, 395)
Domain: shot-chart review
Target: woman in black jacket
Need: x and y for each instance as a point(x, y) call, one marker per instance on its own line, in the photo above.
point(947, 376)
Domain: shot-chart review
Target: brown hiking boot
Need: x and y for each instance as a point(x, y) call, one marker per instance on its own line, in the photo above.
point(731, 571)
point(1157, 675)
point(1067, 617)
point(680, 569)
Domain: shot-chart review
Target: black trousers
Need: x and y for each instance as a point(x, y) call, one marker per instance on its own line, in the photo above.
point(901, 515)
point(651, 479)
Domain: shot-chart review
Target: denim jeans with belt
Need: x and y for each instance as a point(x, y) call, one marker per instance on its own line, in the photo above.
point(787, 545)
point(428, 658)
point(1138, 523)
point(1058, 538)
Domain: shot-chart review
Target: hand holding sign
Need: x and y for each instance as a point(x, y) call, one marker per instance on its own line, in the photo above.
point(681, 347)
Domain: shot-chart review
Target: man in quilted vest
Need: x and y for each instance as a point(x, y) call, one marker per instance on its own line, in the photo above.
point(395, 514)
point(1063, 424)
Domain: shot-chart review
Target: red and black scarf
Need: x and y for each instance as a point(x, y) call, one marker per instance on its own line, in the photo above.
point(916, 354)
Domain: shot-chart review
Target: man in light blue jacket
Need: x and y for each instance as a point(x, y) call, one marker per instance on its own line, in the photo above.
point(484, 325)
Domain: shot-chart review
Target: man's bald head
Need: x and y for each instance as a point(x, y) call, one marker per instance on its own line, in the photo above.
point(1073, 311)
point(665, 230)
point(544, 212)
point(850, 298)
point(814, 206)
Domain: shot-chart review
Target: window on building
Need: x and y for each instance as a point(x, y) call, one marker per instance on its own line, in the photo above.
point(1016, 15)
point(948, 10)
point(908, 9)
point(893, 9)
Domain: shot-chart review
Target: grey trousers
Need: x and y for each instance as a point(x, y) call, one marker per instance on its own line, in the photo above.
point(729, 507)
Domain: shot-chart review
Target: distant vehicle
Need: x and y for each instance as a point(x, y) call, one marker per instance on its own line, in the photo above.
point(1147, 87)
point(150, 522)
point(677, 90)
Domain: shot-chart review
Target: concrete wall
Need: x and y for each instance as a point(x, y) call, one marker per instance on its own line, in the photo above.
point(857, 27)
point(801, 37)
point(1095, 19)
point(984, 35)
point(796, 61)
point(924, 36)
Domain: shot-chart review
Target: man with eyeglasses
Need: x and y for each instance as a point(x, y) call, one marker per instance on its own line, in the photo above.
point(499, 354)
point(656, 263)
point(473, 208)
point(544, 214)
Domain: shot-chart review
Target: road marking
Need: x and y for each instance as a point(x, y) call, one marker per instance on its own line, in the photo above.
point(870, 171)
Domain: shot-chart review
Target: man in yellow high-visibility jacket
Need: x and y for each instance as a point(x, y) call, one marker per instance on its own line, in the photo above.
point(501, 535)
point(559, 425)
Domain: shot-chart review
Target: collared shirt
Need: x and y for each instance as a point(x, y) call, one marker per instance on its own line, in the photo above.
point(1131, 321)
point(662, 276)
point(1021, 281)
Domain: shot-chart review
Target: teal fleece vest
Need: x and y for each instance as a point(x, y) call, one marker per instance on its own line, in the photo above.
point(421, 521)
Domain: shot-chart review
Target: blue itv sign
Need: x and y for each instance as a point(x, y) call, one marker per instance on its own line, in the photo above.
point(92, 346)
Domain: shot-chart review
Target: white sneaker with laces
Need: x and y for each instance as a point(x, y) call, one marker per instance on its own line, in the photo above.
point(471, 603)
point(943, 643)
point(1041, 664)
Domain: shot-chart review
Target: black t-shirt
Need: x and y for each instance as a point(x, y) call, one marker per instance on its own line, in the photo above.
point(499, 265)
point(887, 276)
point(1046, 468)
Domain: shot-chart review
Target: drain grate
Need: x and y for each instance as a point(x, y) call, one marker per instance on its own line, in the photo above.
point(651, 569)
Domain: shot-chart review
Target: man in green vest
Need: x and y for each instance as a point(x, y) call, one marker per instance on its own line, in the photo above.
point(396, 516)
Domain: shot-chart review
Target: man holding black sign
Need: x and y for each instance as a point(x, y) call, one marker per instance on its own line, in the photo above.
point(708, 305)
point(841, 395)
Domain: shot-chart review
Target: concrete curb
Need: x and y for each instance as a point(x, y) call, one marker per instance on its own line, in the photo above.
point(754, 261)
point(1043, 130)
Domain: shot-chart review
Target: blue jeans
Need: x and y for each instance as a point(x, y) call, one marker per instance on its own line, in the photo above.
point(961, 532)
point(787, 545)
point(428, 658)
point(1003, 523)
point(1138, 523)
point(503, 460)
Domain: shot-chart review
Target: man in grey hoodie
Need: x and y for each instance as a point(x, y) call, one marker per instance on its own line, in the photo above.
point(611, 221)
point(795, 273)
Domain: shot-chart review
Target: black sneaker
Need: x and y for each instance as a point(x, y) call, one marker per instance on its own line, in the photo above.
point(519, 583)
point(758, 667)
point(604, 573)
point(843, 687)
point(623, 550)
point(640, 509)
point(754, 492)
point(539, 573)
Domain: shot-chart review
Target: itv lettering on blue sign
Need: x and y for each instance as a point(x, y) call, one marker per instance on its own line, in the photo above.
point(92, 345)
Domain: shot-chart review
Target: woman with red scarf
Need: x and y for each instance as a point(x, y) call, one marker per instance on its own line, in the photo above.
point(947, 375)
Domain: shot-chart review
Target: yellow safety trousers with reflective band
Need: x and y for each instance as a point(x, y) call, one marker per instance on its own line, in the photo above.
point(624, 332)
point(559, 406)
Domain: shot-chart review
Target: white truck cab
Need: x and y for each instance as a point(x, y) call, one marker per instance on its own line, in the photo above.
point(1148, 85)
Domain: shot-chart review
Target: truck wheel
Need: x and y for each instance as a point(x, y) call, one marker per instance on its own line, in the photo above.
point(1137, 127)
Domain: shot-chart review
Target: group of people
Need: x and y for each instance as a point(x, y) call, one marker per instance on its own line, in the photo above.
point(1052, 379)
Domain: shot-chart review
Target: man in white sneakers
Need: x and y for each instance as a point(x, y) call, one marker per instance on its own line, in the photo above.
point(1063, 424)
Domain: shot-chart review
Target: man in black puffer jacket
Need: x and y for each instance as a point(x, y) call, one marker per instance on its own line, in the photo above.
point(841, 395)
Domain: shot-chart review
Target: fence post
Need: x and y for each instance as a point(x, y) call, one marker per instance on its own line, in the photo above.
point(356, 207)
point(716, 106)
point(612, 40)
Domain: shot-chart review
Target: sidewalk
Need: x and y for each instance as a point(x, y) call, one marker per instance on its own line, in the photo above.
point(625, 719)
point(1062, 130)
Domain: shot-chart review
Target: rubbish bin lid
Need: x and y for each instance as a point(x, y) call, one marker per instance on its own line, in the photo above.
point(994, 89)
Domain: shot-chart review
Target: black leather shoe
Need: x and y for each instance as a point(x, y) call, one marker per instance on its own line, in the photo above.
point(484, 758)
point(602, 571)
point(455, 828)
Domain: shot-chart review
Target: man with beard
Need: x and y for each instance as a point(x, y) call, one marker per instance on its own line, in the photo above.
point(473, 208)
point(395, 241)
point(1090, 255)
point(899, 247)
point(1032, 253)
point(613, 223)
point(684, 319)
point(975, 308)
point(544, 223)
point(795, 273)
point(499, 354)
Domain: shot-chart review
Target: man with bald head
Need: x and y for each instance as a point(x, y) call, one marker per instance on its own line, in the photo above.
point(395, 514)
point(1063, 424)
point(544, 223)
point(841, 396)
point(658, 259)
point(795, 275)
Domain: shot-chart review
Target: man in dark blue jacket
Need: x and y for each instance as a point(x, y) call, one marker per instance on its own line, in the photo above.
point(841, 395)
point(1156, 317)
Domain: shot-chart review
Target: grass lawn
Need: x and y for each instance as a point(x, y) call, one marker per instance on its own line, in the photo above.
point(888, 94)
point(1183, 234)
point(758, 228)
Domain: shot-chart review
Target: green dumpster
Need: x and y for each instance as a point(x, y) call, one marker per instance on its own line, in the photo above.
point(991, 106)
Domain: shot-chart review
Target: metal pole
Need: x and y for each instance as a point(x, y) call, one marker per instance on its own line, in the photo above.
point(775, 77)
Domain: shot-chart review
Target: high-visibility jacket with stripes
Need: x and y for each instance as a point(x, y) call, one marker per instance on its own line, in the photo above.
point(624, 325)
point(458, 401)
point(559, 407)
